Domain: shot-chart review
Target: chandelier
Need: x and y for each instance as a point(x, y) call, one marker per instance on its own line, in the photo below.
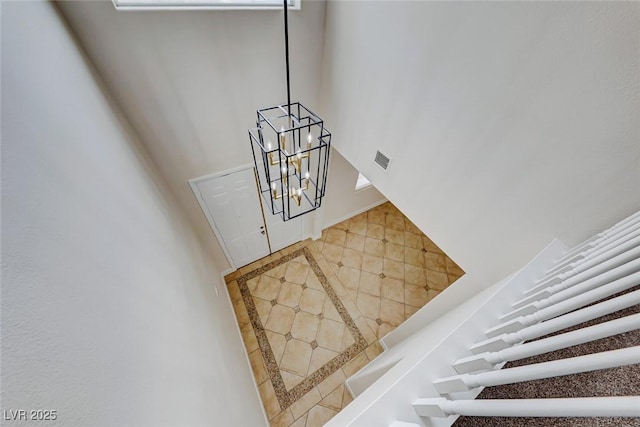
point(290, 148)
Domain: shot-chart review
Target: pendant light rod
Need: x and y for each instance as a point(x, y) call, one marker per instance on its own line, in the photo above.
point(286, 52)
point(291, 179)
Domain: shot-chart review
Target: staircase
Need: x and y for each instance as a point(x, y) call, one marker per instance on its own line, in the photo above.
point(556, 343)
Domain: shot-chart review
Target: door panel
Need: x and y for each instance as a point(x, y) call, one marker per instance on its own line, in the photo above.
point(282, 233)
point(233, 206)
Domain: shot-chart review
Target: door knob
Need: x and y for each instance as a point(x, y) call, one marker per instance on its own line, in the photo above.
point(262, 232)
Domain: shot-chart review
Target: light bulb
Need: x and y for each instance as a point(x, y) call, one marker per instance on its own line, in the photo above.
point(284, 170)
point(283, 139)
point(269, 146)
point(273, 185)
point(309, 138)
point(306, 175)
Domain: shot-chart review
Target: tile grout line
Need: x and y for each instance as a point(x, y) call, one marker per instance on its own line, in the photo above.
point(287, 398)
point(353, 247)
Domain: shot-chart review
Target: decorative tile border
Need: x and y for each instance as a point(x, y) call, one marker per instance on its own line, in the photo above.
point(286, 398)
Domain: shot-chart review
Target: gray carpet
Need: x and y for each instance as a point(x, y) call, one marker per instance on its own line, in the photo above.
point(623, 381)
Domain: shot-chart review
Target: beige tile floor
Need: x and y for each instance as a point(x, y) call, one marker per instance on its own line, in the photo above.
point(311, 315)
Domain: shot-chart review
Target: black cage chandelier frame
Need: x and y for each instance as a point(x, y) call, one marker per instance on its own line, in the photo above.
point(292, 174)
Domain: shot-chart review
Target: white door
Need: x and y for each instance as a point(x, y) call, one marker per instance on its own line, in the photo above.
point(281, 233)
point(233, 209)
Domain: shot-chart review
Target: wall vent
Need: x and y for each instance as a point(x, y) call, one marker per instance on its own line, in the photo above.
point(382, 160)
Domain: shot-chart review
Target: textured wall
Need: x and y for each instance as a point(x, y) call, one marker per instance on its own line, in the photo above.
point(342, 199)
point(509, 123)
point(110, 314)
point(190, 81)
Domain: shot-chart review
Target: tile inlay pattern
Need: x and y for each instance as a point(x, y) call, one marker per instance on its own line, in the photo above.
point(380, 283)
point(301, 383)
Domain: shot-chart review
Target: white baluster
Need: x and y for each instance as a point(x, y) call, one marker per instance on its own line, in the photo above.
point(620, 236)
point(567, 305)
point(559, 294)
point(489, 360)
point(537, 371)
point(618, 406)
point(594, 240)
point(558, 323)
point(610, 271)
point(621, 254)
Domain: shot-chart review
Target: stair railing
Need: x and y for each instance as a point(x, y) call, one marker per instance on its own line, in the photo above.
point(594, 279)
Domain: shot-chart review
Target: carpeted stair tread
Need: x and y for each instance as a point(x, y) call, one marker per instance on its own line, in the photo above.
point(545, 422)
point(622, 381)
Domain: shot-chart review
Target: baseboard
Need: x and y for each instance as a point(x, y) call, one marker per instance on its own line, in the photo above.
point(244, 349)
point(311, 236)
point(228, 271)
point(354, 213)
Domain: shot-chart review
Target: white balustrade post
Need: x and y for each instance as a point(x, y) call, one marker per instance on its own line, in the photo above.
point(485, 361)
point(563, 291)
point(557, 323)
point(616, 239)
point(616, 406)
point(617, 256)
point(567, 305)
point(537, 371)
point(624, 224)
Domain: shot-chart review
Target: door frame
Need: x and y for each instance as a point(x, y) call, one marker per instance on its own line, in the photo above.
point(193, 183)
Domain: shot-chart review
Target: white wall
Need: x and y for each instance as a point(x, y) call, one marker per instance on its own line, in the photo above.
point(341, 200)
point(109, 313)
point(509, 123)
point(190, 81)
